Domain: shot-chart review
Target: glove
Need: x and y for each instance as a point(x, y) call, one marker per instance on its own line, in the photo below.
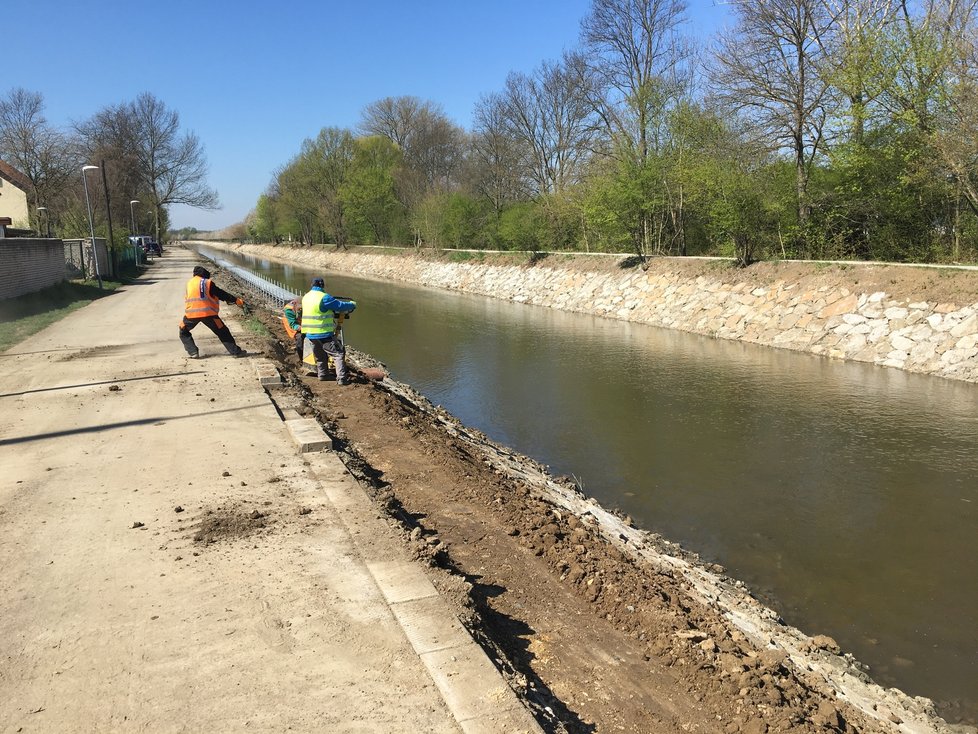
point(239, 302)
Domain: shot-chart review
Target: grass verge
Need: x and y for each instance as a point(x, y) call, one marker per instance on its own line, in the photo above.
point(27, 314)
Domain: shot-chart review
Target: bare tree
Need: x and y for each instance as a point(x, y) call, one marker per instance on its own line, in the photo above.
point(173, 165)
point(48, 158)
point(549, 115)
point(497, 162)
point(769, 68)
point(144, 142)
point(638, 61)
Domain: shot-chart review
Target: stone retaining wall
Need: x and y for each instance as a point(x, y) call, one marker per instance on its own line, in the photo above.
point(917, 335)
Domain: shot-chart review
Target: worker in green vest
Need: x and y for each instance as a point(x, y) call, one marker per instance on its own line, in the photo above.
point(319, 326)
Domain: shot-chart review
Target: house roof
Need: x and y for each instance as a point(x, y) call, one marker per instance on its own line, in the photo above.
point(15, 177)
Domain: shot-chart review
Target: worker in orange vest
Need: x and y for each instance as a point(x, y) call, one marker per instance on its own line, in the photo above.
point(202, 306)
point(292, 321)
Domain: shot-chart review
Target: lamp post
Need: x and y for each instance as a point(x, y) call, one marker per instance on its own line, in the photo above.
point(45, 210)
point(132, 229)
point(91, 222)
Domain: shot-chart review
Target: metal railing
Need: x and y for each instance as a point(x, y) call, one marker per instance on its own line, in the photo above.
point(275, 293)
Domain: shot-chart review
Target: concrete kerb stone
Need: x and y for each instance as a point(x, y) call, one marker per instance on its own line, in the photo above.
point(268, 374)
point(473, 689)
point(308, 435)
point(475, 692)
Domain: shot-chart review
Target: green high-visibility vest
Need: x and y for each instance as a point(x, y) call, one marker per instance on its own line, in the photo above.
point(315, 321)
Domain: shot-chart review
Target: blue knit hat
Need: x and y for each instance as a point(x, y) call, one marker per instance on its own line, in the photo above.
point(318, 283)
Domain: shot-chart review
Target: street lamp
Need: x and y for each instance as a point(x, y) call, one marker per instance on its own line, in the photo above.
point(132, 228)
point(91, 222)
point(45, 210)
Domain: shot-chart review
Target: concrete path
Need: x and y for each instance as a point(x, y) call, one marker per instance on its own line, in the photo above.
point(172, 562)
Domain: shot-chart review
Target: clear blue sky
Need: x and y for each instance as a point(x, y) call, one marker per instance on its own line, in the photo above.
point(254, 79)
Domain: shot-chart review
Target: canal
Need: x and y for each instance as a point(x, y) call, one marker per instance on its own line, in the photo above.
point(845, 495)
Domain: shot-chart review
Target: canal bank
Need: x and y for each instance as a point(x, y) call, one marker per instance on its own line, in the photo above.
point(464, 511)
point(919, 319)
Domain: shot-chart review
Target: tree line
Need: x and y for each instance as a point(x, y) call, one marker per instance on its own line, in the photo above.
point(142, 155)
point(807, 129)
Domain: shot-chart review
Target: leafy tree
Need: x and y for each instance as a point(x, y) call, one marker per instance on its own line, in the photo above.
point(263, 226)
point(433, 147)
point(297, 194)
point(376, 215)
point(450, 220)
point(332, 155)
point(520, 227)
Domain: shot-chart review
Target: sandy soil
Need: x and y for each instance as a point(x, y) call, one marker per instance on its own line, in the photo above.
point(591, 622)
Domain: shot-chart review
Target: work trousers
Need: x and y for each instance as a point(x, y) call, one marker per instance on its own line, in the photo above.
point(213, 323)
point(299, 338)
point(323, 348)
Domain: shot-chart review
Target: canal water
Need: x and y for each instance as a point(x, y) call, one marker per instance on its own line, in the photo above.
point(845, 495)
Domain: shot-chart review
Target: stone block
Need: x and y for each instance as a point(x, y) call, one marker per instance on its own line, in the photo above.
point(308, 435)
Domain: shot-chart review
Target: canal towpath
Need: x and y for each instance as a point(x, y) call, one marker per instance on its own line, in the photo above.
point(172, 562)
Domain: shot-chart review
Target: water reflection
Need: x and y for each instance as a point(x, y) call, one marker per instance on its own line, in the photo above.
point(844, 494)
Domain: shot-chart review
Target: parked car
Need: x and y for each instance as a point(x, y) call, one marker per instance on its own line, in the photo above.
point(146, 244)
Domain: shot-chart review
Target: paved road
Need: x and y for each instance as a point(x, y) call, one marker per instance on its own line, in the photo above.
point(119, 459)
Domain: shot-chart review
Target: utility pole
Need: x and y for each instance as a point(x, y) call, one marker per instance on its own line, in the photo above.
point(108, 211)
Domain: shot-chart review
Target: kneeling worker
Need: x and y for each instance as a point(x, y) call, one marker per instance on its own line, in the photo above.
point(318, 324)
point(202, 306)
point(292, 321)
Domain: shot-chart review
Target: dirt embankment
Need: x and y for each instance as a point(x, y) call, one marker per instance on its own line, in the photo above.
point(599, 625)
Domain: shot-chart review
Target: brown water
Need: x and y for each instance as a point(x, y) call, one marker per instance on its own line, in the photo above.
point(845, 495)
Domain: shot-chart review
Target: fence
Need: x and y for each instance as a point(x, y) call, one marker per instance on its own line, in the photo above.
point(274, 293)
point(79, 261)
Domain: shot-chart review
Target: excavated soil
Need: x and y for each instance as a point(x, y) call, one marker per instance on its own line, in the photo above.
point(593, 638)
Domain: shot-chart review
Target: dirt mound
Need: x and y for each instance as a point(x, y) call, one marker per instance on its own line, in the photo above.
point(230, 523)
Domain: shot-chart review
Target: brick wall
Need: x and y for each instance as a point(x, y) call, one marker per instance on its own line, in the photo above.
point(28, 265)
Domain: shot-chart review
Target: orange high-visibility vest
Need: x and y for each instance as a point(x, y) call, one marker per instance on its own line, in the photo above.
point(288, 329)
point(200, 303)
point(285, 319)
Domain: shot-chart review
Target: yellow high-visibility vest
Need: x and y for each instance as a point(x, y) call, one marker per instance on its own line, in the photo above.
point(314, 321)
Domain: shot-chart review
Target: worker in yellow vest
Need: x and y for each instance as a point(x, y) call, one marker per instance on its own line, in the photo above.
point(292, 321)
point(202, 306)
point(319, 326)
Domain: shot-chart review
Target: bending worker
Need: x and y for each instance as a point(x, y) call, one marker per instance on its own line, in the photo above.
point(202, 306)
point(292, 321)
point(319, 325)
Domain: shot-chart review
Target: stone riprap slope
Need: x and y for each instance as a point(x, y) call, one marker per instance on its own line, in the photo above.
point(921, 320)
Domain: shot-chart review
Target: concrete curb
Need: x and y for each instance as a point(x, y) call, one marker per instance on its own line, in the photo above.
point(473, 689)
